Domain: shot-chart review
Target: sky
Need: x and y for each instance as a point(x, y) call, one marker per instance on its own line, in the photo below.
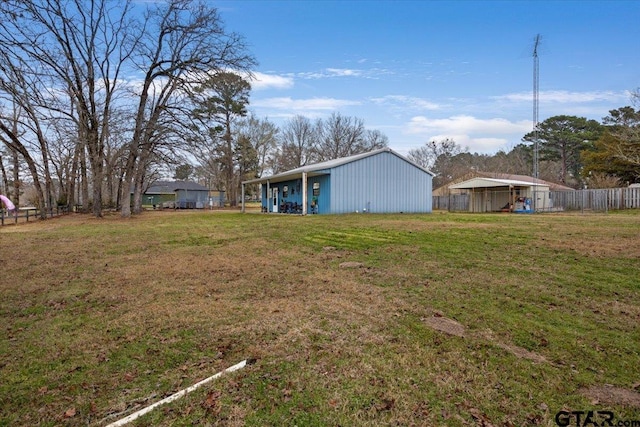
point(424, 70)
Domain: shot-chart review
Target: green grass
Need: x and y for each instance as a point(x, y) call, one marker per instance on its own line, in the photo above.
point(102, 317)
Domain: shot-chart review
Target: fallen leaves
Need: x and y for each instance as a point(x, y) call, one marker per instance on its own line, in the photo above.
point(212, 402)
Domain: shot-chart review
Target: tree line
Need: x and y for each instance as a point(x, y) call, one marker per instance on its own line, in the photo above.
point(93, 93)
point(572, 150)
point(98, 99)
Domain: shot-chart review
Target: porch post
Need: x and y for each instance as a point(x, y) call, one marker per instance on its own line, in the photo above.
point(268, 201)
point(243, 197)
point(304, 193)
point(510, 198)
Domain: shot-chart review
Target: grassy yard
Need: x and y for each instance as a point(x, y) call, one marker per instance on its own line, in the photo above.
point(354, 320)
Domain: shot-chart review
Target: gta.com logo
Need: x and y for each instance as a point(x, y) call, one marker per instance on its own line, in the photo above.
point(592, 418)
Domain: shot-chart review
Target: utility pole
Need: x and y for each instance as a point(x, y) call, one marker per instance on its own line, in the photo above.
point(536, 101)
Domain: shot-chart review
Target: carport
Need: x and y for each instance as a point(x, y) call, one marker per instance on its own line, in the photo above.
point(504, 195)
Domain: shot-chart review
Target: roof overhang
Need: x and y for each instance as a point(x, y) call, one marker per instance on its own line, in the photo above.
point(493, 183)
point(286, 176)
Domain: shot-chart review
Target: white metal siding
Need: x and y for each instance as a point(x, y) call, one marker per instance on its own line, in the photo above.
point(383, 183)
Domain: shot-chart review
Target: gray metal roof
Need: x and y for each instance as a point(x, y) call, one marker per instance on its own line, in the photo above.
point(324, 167)
point(494, 182)
point(170, 187)
point(499, 175)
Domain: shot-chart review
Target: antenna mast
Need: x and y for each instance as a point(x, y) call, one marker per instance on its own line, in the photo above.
point(535, 105)
point(535, 119)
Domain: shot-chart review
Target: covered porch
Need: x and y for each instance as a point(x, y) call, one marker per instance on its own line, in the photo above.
point(296, 191)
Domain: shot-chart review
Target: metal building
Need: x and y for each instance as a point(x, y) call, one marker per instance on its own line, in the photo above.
point(380, 181)
point(182, 195)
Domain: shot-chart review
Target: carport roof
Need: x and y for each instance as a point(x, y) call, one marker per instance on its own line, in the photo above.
point(492, 183)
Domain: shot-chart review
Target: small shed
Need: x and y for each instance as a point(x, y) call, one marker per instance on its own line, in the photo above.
point(379, 181)
point(181, 195)
point(505, 195)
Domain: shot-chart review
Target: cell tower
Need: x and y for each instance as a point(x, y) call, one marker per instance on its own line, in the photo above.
point(535, 105)
point(535, 118)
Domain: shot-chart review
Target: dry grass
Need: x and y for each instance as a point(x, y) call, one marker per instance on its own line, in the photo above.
point(104, 316)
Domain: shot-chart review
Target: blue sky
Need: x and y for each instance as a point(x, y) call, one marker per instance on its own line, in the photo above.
point(423, 70)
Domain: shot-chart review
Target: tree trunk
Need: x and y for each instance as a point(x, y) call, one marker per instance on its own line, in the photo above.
point(72, 179)
point(84, 181)
point(16, 177)
point(5, 180)
point(127, 180)
point(18, 148)
point(138, 186)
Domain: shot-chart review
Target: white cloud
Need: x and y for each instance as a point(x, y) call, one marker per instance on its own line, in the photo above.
point(343, 72)
point(402, 101)
point(327, 73)
point(564, 97)
point(299, 105)
point(466, 125)
point(474, 145)
point(331, 72)
point(270, 81)
point(478, 135)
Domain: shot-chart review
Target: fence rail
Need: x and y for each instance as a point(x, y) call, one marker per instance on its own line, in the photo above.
point(30, 214)
point(600, 200)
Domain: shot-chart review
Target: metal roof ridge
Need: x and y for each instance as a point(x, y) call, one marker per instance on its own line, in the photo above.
point(336, 162)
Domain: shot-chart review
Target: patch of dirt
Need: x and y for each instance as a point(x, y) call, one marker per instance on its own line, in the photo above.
point(446, 325)
point(451, 327)
point(351, 264)
point(522, 353)
point(610, 395)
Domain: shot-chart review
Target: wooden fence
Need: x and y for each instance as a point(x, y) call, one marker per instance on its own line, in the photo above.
point(30, 214)
point(600, 200)
point(451, 203)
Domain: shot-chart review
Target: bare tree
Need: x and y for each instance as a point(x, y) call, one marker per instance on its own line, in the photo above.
point(342, 136)
point(262, 134)
point(422, 156)
point(339, 136)
point(297, 141)
point(23, 126)
point(79, 47)
point(374, 139)
point(182, 44)
point(427, 155)
point(72, 54)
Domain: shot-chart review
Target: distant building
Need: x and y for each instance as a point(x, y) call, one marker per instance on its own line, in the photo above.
point(380, 181)
point(181, 195)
